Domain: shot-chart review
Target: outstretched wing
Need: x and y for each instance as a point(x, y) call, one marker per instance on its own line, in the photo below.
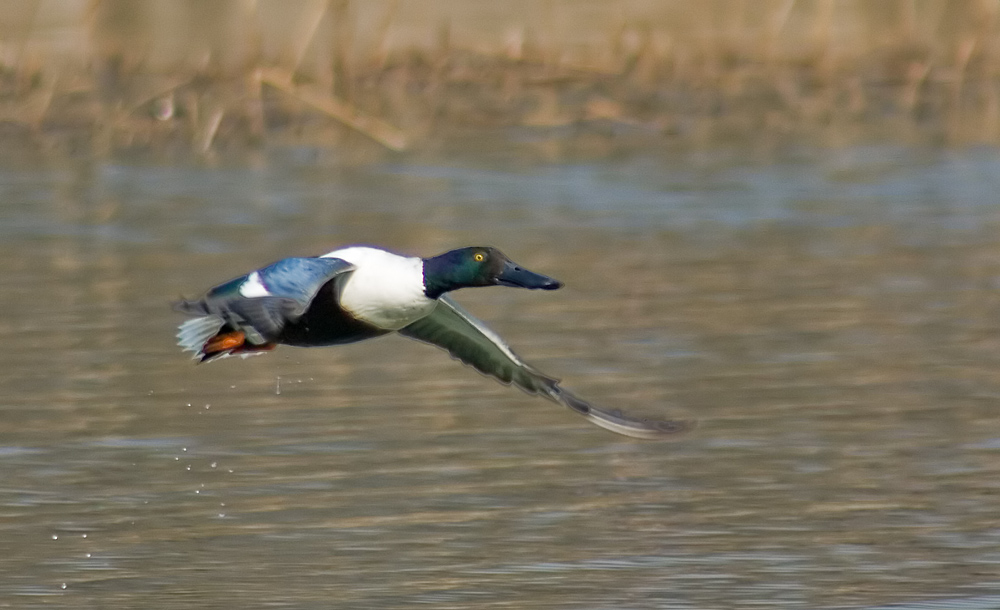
point(261, 303)
point(468, 339)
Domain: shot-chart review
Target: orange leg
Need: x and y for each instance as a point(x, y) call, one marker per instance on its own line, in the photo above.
point(224, 342)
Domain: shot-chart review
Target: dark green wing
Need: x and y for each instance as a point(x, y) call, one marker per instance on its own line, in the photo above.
point(467, 339)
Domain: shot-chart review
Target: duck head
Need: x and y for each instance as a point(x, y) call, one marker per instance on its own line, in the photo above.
point(479, 266)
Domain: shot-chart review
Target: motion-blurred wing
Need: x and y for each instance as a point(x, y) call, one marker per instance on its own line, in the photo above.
point(261, 303)
point(471, 341)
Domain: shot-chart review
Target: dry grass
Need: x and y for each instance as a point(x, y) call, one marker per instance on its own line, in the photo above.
point(108, 75)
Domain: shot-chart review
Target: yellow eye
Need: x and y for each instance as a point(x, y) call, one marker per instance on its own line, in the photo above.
point(479, 257)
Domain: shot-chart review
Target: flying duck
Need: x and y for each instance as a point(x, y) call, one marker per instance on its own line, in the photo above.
point(360, 292)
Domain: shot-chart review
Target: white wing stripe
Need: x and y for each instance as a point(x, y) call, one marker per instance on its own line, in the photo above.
point(253, 287)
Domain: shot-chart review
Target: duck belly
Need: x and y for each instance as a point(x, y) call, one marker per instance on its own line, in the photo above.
point(326, 323)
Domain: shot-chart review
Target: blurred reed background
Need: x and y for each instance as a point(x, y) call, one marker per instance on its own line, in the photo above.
point(107, 75)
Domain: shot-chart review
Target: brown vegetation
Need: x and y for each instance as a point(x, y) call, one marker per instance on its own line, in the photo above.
point(108, 75)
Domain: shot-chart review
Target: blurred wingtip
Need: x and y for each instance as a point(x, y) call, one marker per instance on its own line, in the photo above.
point(635, 427)
point(622, 423)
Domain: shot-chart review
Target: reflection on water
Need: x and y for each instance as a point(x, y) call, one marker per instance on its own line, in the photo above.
point(831, 320)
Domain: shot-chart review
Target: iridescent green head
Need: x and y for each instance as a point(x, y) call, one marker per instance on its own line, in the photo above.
point(479, 266)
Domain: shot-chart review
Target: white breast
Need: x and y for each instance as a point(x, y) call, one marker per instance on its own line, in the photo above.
point(385, 289)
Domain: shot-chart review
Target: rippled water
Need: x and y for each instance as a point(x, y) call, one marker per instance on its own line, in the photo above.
point(830, 318)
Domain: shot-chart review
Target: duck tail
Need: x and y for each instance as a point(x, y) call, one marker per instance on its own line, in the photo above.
point(194, 334)
point(209, 338)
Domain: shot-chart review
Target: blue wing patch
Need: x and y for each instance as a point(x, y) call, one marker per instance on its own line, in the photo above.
point(300, 278)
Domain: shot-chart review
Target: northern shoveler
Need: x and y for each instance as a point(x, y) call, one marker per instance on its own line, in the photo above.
point(360, 292)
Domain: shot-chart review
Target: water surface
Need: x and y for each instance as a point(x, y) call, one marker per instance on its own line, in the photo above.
point(829, 317)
